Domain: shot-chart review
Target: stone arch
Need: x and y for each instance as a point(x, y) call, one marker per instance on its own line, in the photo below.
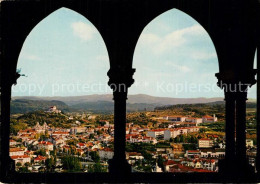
point(170, 13)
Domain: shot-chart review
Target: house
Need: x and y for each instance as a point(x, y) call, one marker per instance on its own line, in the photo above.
point(168, 164)
point(75, 130)
point(106, 153)
point(132, 157)
point(16, 151)
point(60, 134)
point(40, 159)
point(41, 129)
point(194, 120)
point(149, 140)
point(53, 109)
point(81, 145)
point(21, 159)
point(176, 118)
point(193, 154)
point(45, 145)
point(209, 119)
point(249, 143)
point(156, 133)
point(12, 142)
point(26, 132)
point(172, 133)
point(205, 143)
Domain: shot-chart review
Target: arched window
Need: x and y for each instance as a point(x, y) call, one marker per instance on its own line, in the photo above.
point(61, 108)
point(179, 109)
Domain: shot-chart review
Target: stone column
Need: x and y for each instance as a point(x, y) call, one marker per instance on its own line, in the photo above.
point(241, 127)
point(7, 164)
point(120, 80)
point(230, 126)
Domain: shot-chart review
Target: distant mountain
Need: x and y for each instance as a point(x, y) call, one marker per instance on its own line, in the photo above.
point(99, 103)
point(108, 107)
point(132, 99)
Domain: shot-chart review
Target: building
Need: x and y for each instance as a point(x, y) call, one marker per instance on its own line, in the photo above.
point(40, 159)
point(176, 118)
point(12, 142)
point(16, 151)
point(45, 145)
point(193, 154)
point(53, 109)
point(194, 120)
point(157, 133)
point(60, 134)
point(21, 159)
point(205, 143)
point(132, 157)
point(209, 119)
point(249, 143)
point(106, 153)
point(169, 164)
point(172, 133)
point(212, 153)
point(41, 129)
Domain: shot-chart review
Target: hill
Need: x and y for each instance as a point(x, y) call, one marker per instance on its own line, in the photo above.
point(24, 105)
point(132, 99)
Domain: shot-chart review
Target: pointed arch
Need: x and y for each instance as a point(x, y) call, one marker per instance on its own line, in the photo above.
point(168, 37)
point(83, 43)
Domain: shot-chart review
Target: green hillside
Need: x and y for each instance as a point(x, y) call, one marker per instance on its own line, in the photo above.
point(21, 106)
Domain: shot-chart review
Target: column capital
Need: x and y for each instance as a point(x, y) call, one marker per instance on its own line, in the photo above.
point(119, 77)
point(236, 82)
point(246, 78)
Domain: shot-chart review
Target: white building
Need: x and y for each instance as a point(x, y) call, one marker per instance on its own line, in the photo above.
point(249, 143)
point(205, 143)
point(155, 133)
point(45, 145)
point(16, 151)
point(194, 120)
point(106, 153)
point(209, 119)
point(12, 142)
point(176, 118)
point(212, 153)
point(172, 133)
point(53, 109)
point(21, 158)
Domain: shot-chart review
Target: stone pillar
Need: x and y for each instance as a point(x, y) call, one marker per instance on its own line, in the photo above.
point(241, 99)
point(235, 161)
point(230, 126)
point(7, 164)
point(120, 80)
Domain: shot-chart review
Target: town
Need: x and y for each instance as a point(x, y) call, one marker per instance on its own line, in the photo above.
point(52, 141)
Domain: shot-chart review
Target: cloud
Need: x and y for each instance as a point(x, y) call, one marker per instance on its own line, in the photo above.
point(180, 68)
point(102, 58)
point(162, 44)
point(83, 30)
point(31, 57)
point(202, 55)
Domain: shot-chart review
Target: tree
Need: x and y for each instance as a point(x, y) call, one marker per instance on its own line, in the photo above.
point(202, 130)
point(91, 136)
point(41, 152)
point(97, 167)
point(23, 169)
point(160, 161)
point(71, 164)
point(18, 164)
point(94, 156)
point(27, 164)
point(50, 164)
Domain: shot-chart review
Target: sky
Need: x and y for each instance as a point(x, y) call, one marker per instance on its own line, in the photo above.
point(64, 55)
